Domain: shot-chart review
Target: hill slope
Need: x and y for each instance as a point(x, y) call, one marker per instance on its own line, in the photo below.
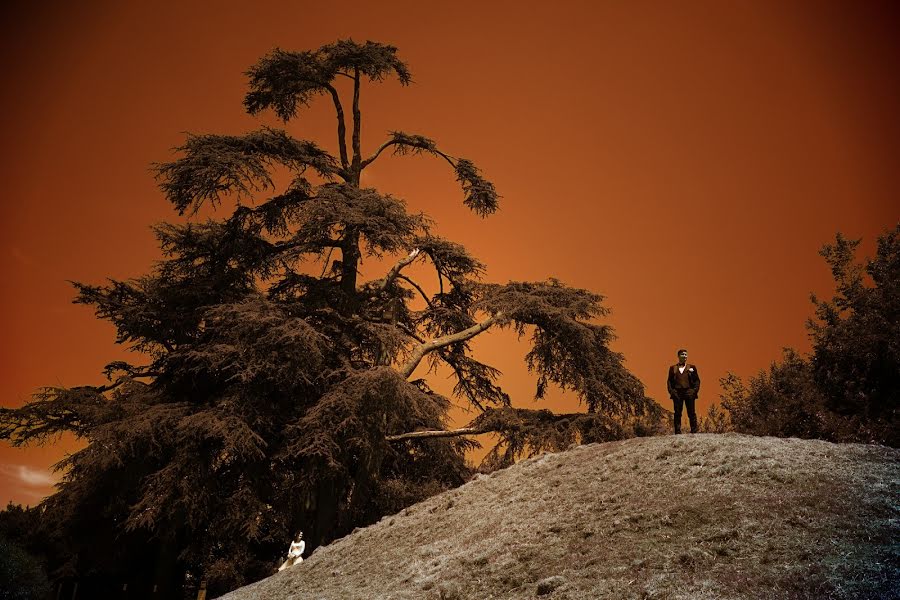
point(703, 516)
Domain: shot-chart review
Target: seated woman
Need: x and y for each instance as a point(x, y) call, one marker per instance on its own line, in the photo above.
point(295, 552)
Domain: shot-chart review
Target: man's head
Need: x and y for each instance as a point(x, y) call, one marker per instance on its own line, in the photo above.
point(682, 356)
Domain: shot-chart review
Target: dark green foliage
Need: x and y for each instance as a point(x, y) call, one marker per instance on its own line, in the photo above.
point(283, 81)
point(480, 194)
point(405, 143)
point(381, 220)
point(783, 402)
point(21, 575)
point(848, 389)
point(856, 338)
point(566, 349)
point(716, 420)
point(268, 386)
point(451, 260)
point(214, 165)
point(24, 554)
point(475, 381)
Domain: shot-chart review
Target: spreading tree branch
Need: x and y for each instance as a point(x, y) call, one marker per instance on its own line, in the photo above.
point(437, 433)
point(416, 285)
point(405, 143)
point(385, 281)
point(480, 195)
point(213, 165)
point(420, 352)
point(316, 243)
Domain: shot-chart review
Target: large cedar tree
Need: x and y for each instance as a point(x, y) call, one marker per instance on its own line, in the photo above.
point(272, 395)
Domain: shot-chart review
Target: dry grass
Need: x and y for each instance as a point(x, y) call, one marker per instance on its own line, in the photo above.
point(693, 517)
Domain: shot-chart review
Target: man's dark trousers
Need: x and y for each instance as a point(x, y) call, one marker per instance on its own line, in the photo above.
point(685, 398)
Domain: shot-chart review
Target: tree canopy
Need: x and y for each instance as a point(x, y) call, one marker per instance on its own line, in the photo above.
point(269, 399)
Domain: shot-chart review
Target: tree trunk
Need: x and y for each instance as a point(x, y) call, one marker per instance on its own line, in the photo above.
point(356, 167)
point(349, 265)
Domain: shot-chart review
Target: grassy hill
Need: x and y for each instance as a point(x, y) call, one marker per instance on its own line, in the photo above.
point(694, 517)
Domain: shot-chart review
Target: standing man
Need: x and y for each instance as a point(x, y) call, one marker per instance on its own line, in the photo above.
point(684, 385)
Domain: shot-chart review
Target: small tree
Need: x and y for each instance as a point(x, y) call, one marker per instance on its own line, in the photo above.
point(22, 575)
point(272, 399)
point(848, 389)
point(856, 352)
point(717, 420)
point(783, 402)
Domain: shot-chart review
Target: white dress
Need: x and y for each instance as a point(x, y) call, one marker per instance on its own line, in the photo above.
point(295, 555)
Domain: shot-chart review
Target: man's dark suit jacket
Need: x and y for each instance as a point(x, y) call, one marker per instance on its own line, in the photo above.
point(693, 376)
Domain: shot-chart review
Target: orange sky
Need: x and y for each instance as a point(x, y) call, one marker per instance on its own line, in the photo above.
point(686, 160)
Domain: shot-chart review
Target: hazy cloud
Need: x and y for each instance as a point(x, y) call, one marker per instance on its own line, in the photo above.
point(23, 474)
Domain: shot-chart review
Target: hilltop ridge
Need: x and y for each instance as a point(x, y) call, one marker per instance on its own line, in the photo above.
point(691, 516)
